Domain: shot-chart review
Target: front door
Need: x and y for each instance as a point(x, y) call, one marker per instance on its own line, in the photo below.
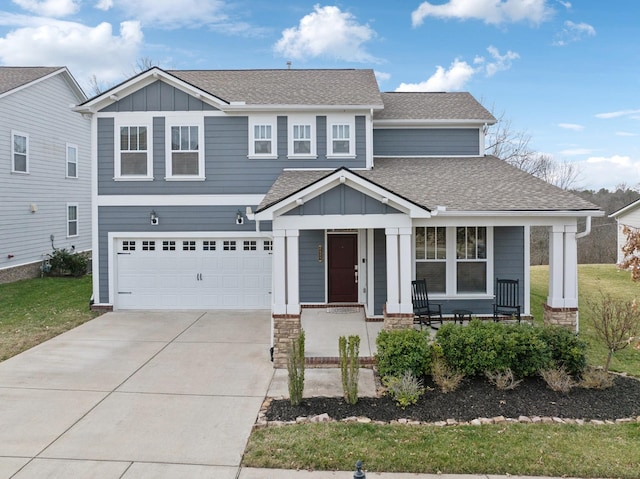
point(343, 268)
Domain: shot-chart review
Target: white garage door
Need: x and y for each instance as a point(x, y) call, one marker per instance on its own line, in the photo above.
point(193, 273)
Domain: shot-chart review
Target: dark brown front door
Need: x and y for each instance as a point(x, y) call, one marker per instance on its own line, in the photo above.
point(343, 264)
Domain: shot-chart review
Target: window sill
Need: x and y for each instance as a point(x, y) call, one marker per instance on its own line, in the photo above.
point(341, 157)
point(302, 157)
point(263, 157)
point(185, 178)
point(132, 178)
point(19, 172)
point(71, 177)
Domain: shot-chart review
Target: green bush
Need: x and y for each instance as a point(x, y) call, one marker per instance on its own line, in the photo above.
point(349, 353)
point(295, 369)
point(567, 349)
point(64, 263)
point(489, 346)
point(401, 351)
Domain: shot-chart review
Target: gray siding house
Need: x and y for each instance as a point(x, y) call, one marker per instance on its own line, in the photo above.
point(285, 189)
point(45, 178)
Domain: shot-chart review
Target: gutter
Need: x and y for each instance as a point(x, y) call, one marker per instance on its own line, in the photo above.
point(587, 229)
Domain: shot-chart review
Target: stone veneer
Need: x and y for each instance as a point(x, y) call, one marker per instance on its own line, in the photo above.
point(286, 328)
point(565, 317)
point(17, 273)
point(397, 320)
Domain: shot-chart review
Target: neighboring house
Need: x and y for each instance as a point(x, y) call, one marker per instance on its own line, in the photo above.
point(284, 188)
point(626, 216)
point(45, 178)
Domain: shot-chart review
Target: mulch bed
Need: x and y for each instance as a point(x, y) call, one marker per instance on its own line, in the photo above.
point(477, 398)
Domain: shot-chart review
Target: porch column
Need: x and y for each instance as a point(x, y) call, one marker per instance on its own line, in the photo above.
point(561, 307)
point(279, 277)
point(393, 297)
point(293, 291)
point(556, 267)
point(570, 267)
point(398, 314)
point(406, 305)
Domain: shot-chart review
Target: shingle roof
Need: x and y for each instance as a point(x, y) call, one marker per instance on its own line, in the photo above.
point(460, 184)
point(287, 87)
point(432, 106)
point(14, 77)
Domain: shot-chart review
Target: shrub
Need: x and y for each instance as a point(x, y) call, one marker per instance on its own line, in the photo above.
point(63, 263)
point(402, 350)
point(349, 350)
point(595, 378)
point(558, 379)
point(503, 380)
point(446, 377)
point(405, 389)
point(567, 349)
point(295, 368)
point(489, 346)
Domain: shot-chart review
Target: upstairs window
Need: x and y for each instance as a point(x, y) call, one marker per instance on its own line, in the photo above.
point(185, 156)
point(340, 140)
point(302, 142)
point(135, 157)
point(19, 153)
point(72, 161)
point(263, 137)
point(262, 143)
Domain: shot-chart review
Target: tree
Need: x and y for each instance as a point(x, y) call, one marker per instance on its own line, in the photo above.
point(97, 86)
point(631, 252)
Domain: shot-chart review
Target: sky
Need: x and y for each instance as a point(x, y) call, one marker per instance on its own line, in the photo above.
point(565, 73)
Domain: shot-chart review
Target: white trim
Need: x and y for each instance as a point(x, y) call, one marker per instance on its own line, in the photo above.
point(341, 120)
point(263, 120)
point(341, 221)
point(184, 120)
point(520, 213)
point(15, 133)
point(425, 156)
point(130, 120)
point(74, 85)
point(77, 220)
point(430, 123)
point(95, 230)
point(67, 163)
point(177, 200)
point(624, 209)
point(302, 120)
point(369, 139)
point(370, 271)
point(527, 270)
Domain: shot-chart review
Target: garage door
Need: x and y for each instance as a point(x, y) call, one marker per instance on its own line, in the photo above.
point(193, 273)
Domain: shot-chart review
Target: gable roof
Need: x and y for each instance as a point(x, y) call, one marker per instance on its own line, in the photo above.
point(432, 106)
point(464, 185)
point(625, 209)
point(15, 78)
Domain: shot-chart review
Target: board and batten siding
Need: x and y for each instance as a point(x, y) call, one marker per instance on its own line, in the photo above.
point(426, 142)
point(172, 219)
point(342, 200)
point(43, 112)
point(158, 96)
point(228, 170)
point(312, 270)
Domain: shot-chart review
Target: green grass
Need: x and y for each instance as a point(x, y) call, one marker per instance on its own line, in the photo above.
point(34, 310)
point(593, 279)
point(515, 449)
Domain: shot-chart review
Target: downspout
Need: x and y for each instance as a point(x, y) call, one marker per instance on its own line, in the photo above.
point(586, 232)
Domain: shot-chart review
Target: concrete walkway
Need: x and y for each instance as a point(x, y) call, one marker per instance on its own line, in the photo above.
point(150, 395)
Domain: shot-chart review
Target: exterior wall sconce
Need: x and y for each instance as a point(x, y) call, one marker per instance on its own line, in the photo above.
point(239, 218)
point(320, 255)
point(155, 219)
point(33, 207)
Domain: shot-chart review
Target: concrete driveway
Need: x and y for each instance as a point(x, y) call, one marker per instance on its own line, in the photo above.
point(136, 395)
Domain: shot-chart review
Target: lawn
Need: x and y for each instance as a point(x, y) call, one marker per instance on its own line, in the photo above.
point(34, 310)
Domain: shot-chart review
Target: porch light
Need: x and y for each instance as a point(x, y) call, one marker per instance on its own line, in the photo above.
point(155, 219)
point(239, 218)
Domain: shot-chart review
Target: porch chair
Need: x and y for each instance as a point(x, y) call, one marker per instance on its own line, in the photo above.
point(424, 311)
point(507, 299)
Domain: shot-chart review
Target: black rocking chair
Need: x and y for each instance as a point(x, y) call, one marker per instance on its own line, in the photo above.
point(424, 311)
point(507, 299)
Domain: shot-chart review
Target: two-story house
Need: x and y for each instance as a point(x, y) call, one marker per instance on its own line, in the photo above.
point(45, 178)
point(284, 188)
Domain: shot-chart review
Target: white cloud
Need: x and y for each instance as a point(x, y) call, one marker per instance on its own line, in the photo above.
point(50, 8)
point(455, 78)
point(566, 5)
point(571, 126)
point(104, 5)
point(617, 114)
point(382, 76)
point(84, 50)
point(573, 32)
point(607, 172)
point(172, 13)
point(490, 11)
point(327, 32)
point(499, 63)
point(625, 133)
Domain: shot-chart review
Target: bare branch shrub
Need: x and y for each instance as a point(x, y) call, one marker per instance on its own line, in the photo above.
point(558, 379)
point(595, 378)
point(447, 378)
point(503, 380)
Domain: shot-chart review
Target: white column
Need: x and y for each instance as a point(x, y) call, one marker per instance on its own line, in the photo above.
point(393, 296)
point(527, 269)
point(293, 286)
point(279, 277)
point(570, 267)
point(406, 306)
point(370, 272)
point(556, 267)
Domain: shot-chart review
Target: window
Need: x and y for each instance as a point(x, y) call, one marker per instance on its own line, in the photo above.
point(471, 259)
point(72, 161)
point(268, 245)
point(188, 246)
point(128, 245)
point(148, 245)
point(229, 245)
point(340, 140)
point(72, 220)
point(185, 156)
point(454, 260)
point(168, 245)
point(249, 245)
point(208, 245)
point(135, 154)
point(302, 138)
point(262, 137)
point(19, 153)
point(431, 257)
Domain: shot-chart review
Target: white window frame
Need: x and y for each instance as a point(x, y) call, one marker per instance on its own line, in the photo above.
point(263, 121)
point(13, 152)
point(133, 121)
point(71, 161)
point(338, 121)
point(297, 121)
point(183, 121)
point(452, 264)
point(70, 221)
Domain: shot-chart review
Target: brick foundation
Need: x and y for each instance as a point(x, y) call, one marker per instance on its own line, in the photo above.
point(286, 328)
point(565, 317)
point(397, 320)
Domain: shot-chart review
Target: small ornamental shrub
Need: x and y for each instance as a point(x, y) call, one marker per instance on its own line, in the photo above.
point(567, 349)
point(349, 351)
point(405, 389)
point(444, 375)
point(295, 369)
point(558, 379)
point(503, 380)
point(402, 350)
point(64, 263)
point(595, 378)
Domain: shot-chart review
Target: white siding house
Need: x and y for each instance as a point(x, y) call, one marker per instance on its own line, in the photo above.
point(45, 177)
point(626, 216)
